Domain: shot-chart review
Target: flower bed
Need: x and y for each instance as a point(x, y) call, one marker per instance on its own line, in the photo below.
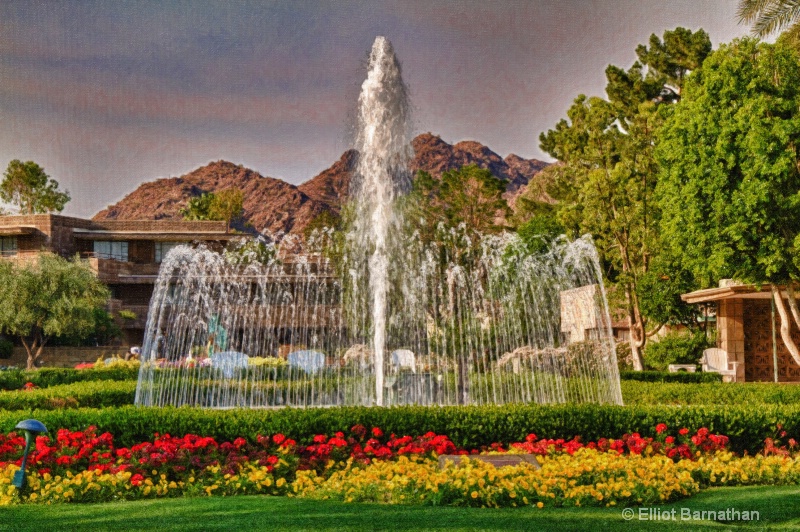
point(367, 465)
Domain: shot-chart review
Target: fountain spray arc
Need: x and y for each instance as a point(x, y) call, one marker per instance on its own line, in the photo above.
point(389, 318)
point(383, 143)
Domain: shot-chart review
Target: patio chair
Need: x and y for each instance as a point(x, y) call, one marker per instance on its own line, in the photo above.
point(716, 360)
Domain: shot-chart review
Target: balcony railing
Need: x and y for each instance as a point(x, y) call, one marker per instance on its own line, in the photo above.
point(115, 271)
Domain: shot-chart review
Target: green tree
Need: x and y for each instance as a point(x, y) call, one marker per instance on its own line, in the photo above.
point(729, 188)
point(226, 205)
point(607, 176)
point(469, 195)
point(26, 185)
point(51, 298)
point(539, 232)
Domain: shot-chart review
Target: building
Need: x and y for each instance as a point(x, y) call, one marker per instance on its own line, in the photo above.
point(748, 330)
point(125, 254)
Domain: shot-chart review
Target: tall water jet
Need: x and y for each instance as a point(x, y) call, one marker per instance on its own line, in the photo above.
point(384, 152)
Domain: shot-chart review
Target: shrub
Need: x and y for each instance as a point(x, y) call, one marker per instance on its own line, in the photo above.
point(6, 347)
point(14, 379)
point(675, 348)
point(94, 394)
point(663, 376)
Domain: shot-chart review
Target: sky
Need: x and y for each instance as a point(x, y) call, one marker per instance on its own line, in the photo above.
point(108, 95)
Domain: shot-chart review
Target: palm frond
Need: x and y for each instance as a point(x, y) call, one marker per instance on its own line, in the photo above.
point(749, 10)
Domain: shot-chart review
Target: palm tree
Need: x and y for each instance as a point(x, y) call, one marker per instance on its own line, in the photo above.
point(769, 16)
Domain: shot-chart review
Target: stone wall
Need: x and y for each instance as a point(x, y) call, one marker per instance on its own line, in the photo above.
point(759, 347)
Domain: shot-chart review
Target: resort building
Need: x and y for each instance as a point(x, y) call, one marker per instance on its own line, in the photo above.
point(748, 331)
point(125, 254)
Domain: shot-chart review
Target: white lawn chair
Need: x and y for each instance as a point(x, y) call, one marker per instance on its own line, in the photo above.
point(716, 360)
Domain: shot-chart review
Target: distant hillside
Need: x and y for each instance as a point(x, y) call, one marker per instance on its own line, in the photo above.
point(278, 207)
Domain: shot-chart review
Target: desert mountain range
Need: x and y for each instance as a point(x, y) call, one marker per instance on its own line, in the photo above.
point(275, 206)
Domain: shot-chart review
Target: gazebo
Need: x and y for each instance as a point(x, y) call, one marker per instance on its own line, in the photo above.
point(748, 330)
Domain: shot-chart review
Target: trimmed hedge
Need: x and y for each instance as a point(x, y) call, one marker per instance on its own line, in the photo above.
point(663, 376)
point(92, 394)
point(750, 393)
point(15, 379)
point(471, 426)
point(96, 394)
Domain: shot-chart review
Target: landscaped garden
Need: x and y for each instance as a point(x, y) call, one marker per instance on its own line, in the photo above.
point(674, 441)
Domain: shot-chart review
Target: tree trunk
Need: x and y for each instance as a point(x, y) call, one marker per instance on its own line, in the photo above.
point(793, 303)
point(786, 333)
point(31, 355)
point(34, 349)
point(637, 334)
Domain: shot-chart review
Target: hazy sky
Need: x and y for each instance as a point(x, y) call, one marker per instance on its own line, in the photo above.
point(108, 94)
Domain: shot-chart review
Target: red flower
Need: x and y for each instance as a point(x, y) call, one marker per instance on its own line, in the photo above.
point(669, 439)
point(377, 432)
point(359, 430)
point(136, 479)
point(278, 439)
point(683, 432)
point(661, 427)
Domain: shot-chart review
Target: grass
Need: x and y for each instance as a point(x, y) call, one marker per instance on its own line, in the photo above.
point(777, 507)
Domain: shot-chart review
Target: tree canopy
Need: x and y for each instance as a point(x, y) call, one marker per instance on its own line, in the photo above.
point(469, 195)
point(729, 187)
point(52, 297)
point(607, 178)
point(226, 205)
point(26, 185)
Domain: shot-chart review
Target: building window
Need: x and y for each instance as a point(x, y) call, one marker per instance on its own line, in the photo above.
point(162, 248)
point(104, 249)
point(8, 246)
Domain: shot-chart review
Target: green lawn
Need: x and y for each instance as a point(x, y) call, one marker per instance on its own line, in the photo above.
point(779, 508)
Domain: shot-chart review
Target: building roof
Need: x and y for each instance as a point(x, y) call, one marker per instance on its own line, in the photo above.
point(165, 235)
point(16, 230)
point(727, 292)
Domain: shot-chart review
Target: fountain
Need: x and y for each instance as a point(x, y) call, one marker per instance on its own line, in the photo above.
point(381, 317)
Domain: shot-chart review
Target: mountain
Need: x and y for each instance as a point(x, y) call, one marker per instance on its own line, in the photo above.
point(435, 156)
point(269, 204)
point(279, 207)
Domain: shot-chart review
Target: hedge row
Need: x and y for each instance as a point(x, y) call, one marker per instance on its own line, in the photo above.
point(96, 394)
point(663, 376)
point(91, 394)
point(470, 426)
point(15, 379)
point(751, 393)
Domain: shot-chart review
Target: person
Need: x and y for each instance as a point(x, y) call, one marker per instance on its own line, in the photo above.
point(161, 344)
point(134, 353)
